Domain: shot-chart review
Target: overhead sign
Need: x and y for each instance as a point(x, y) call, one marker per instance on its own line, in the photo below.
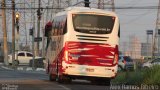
point(38, 39)
point(158, 31)
point(150, 32)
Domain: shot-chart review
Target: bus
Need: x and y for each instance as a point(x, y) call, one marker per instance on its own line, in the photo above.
point(82, 43)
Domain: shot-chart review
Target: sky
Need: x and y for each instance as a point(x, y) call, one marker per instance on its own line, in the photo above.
point(132, 21)
point(136, 21)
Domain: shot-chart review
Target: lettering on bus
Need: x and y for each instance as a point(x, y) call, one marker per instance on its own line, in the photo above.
point(93, 28)
point(93, 24)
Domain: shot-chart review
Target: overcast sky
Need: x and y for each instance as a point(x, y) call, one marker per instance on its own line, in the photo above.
point(136, 21)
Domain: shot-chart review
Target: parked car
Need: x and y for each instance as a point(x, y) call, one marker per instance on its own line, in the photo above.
point(126, 63)
point(21, 57)
point(150, 63)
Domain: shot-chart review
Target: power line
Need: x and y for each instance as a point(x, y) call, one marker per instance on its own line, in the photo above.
point(120, 7)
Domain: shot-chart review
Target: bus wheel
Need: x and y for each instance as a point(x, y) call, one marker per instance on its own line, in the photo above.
point(63, 79)
point(59, 79)
point(51, 77)
point(67, 80)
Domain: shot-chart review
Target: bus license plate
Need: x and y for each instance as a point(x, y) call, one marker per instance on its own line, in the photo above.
point(89, 69)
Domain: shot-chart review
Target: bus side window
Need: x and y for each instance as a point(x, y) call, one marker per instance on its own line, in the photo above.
point(59, 27)
point(55, 30)
point(119, 31)
point(65, 27)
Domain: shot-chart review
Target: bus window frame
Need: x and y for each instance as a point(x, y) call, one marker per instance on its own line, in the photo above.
point(60, 25)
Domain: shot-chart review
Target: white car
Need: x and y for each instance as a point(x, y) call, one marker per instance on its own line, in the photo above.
point(21, 57)
point(150, 63)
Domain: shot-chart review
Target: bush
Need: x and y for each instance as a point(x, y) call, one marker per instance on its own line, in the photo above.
point(151, 75)
point(120, 79)
point(134, 78)
point(131, 78)
point(147, 76)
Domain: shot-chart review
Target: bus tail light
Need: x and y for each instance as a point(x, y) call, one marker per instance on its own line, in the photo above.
point(66, 55)
point(116, 56)
point(115, 59)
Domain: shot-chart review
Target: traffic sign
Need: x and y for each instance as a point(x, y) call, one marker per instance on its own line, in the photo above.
point(150, 32)
point(38, 39)
point(158, 31)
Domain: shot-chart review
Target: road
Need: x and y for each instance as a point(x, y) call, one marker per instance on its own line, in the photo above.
point(30, 80)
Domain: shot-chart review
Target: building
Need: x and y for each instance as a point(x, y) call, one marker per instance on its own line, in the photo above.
point(146, 49)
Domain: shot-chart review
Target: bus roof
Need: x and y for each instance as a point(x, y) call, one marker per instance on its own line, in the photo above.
point(85, 9)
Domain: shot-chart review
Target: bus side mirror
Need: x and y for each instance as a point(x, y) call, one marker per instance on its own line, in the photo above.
point(48, 28)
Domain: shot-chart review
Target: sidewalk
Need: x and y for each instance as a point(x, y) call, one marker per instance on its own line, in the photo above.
point(22, 68)
point(1, 63)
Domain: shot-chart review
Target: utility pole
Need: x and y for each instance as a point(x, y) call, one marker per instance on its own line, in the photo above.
point(47, 15)
point(5, 46)
point(68, 3)
point(113, 6)
point(100, 4)
point(156, 47)
point(17, 34)
point(13, 32)
point(38, 24)
point(33, 29)
point(43, 36)
point(25, 25)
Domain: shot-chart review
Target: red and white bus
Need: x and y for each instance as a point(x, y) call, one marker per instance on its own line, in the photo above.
point(83, 43)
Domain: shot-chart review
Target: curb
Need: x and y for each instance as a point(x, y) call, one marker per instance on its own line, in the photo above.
point(30, 69)
point(7, 68)
point(24, 69)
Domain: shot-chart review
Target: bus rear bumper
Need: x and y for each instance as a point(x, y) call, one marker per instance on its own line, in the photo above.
point(90, 71)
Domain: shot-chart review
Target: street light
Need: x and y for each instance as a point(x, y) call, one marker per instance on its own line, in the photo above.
point(17, 22)
point(17, 16)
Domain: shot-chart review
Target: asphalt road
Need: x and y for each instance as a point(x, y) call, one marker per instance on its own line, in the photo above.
point(30, 80)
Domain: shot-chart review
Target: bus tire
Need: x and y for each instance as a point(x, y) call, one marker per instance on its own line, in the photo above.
point(59, 79)
point(63, 79)
point(67, 80)
point(51, 77)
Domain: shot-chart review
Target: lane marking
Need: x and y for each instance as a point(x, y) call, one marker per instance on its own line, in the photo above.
point(64, 87)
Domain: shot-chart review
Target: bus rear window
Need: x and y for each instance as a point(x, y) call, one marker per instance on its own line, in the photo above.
point(93, 24)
